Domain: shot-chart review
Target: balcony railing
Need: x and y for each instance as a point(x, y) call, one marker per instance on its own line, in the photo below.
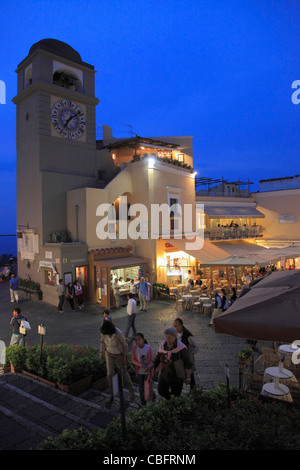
point(227, 233)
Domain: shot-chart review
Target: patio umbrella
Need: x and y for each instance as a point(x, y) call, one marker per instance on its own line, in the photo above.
point(234, 261)
point(270, 311)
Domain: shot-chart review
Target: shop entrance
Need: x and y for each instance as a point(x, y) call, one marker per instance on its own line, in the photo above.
point(127, 270)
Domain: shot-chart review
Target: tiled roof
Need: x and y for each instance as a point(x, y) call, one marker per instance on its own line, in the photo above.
point(107, 251)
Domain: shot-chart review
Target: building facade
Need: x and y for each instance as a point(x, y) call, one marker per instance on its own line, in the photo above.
point(65, 178)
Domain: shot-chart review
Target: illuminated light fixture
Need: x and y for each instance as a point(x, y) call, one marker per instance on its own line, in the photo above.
point(114, 156)
point(151, 162)
point(142, 148)
point(194, 174)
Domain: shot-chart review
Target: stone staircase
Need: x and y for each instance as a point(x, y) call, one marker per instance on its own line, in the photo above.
point(31, 411)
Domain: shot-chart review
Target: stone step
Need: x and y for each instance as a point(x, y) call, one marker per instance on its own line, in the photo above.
point(30, 411)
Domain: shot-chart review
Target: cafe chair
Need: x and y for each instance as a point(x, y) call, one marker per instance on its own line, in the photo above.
point(179, 302)
point(196, 305)
point(254, 382)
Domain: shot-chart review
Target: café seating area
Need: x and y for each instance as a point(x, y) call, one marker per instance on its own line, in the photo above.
point(274, 374)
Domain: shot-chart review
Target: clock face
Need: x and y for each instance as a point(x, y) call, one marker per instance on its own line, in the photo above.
point(68, 119)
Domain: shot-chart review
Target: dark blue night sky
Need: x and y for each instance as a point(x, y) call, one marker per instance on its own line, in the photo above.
point(221, 71)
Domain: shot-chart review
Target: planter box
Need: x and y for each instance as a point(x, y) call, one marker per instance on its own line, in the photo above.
point(13, 369)
point(100, 384)
point(244, 364)
point(32, 294)
point(77, 387)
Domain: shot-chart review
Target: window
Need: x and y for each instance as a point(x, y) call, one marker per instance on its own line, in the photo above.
point(49, 277)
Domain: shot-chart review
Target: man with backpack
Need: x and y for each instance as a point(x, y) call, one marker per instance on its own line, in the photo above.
point(17, 338)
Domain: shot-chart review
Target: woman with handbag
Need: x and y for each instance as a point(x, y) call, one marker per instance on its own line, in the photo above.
point(142, 357)
point(175, 365)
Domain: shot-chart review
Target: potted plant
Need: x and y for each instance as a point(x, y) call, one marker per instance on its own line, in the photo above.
point(245, 356)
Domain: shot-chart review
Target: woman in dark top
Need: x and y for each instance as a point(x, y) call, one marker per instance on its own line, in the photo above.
point(234, 295)
point(170, 351)
point(70, 295)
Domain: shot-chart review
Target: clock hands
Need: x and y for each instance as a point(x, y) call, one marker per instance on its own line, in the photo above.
point(72, 117)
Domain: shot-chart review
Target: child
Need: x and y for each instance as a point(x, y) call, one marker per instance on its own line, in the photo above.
point(106, 316)
point(142, 357)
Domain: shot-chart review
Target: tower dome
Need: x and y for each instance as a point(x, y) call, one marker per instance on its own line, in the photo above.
point(54, 46)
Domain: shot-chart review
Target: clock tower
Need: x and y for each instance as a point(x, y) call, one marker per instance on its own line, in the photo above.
point(56, 141)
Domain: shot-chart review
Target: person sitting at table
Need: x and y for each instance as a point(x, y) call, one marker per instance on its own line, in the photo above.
point(189, 285)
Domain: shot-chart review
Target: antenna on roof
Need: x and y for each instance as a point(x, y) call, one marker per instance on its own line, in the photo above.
point(131, 132)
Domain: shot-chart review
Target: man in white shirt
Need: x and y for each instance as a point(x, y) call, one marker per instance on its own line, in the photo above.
point(131, 314)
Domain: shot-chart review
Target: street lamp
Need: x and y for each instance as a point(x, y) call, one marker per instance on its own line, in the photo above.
point(42, 332)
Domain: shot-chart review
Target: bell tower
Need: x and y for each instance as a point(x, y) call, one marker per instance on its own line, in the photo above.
point(55, 137)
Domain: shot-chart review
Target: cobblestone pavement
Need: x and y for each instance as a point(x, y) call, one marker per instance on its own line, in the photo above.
point(83, 327)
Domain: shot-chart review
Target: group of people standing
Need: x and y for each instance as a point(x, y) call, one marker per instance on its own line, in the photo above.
point(140, 290)
point(73, 293)
point(173, 363)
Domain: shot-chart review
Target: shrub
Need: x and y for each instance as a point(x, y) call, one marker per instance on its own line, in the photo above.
point(60, 363)
point(200, 421)
point(17, 356)
point(28, 284)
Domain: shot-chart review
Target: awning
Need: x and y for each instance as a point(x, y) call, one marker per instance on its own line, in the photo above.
point(122, 262)
point(208, 252)
point(223, 212)
point(258, 253)
point(47, 265)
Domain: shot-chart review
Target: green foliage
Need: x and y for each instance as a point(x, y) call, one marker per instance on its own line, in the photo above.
point(28, 284)
point(17, 356)
point(60, 363)
point(200, 421)
point(244, 354)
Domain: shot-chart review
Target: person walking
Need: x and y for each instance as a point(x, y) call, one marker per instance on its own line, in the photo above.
point(186, 337)
point(131, 314)
point(78, 294)
point(17, 338)
point(142, 357)
point(114, 346)
point(61, 295)
point(148, 292)
point(170, 351)
point(106, 316)
point(143, 289)
point(13, 288)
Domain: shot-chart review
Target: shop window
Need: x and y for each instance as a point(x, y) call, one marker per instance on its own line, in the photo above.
point(50, 277)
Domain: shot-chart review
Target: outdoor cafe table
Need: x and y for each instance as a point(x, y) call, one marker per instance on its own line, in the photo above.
point(287, 351)
point(187, 298)
point(277, 391)
point(277, 372)
point(180, 287)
